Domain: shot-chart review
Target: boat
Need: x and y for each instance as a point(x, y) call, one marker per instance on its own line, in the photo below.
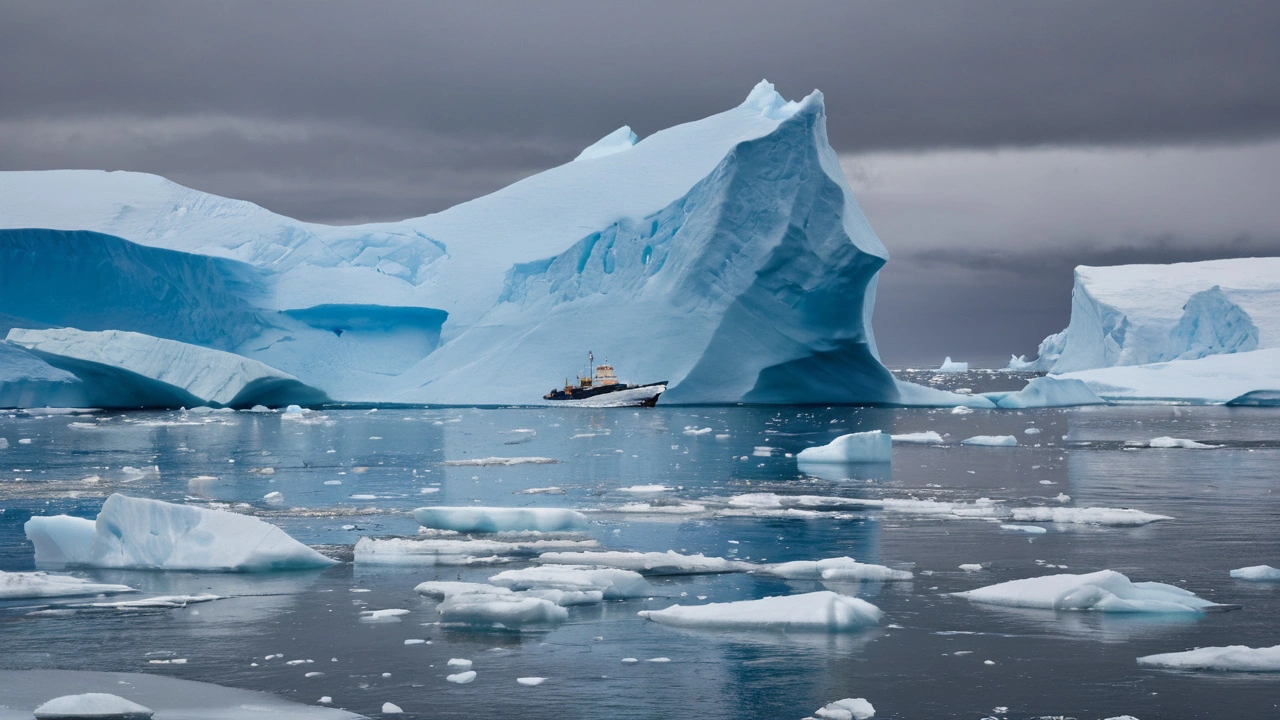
point(601, 388)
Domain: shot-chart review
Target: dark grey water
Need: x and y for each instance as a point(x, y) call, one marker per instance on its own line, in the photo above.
point(928, 658)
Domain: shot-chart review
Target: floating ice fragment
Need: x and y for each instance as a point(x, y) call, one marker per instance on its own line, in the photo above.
point(531, 681)
point(929, 437)
point(16, 585)
point(462, 678)
point(498, 519)
point(1257, 572)
point(92, 705)
point(953, 367)
point(614, 583)
point(459, 663)
point(501, 611)
point(991, 440)
point(481, 462)
point(645, 489)
point(273, 498)
point(1172, 442)
point(391, 709)
point(822, 611)
point(391, 615)
point(841, 569)
point(971, 567)
point(1032, 529)
point(1103, 591)
point(652, 563)
point(846, 709)
point(1232, 658)
point(873, 446)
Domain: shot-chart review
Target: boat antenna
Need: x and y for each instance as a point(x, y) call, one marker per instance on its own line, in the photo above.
point(591, 366)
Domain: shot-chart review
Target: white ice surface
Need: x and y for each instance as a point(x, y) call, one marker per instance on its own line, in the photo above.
point(1173, 442)
point(873, 446)
point(146, 534)
point(457, 551)
point(822, 611)
point(500, 519)
point(507, 611)
point(1233, 658)
point(14, 585)
point(840, 569)
point(846, 709)
point(649, 563)
point(614, 583)
point(1049, 391)
point(991, 440)
point(92, 705)
point(928, 437)
point(615, 142)
point(953, 367)
point(1103, 591)
point(1213, 379)
point(1257, 572)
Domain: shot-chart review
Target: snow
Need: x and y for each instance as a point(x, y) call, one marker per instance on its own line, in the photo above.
point(92, 705)
point(499, 519)
point(1213, 379)
point(613, 583)
point(1257, 572)
point(129, 369)
point(15, 585)
point(928, 437)
point(846, 709)
point(650, 563)
point(822, 611)
point(1048, 392)
point(1233, 658)
point(414, 311)
point(1172, 442)
point(145, 534)
point(991, 440)
point(615, 142)
point(1103, 591)
point(953, 367)
point(873, 446)
point(840, 569)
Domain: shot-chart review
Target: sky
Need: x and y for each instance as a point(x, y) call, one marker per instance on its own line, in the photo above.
point(994, 146)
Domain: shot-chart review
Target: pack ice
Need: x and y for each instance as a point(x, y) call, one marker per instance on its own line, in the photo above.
point(143, 534)
point(726, 256)
point(1166, 331)
point(1103, 591)
point(822, 611)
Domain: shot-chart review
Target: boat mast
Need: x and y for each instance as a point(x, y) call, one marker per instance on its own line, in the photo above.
point(591, 367)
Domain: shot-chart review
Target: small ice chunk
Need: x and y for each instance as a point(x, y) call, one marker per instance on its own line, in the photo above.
point(503, 611)
point(1031, 431)
point(414, 641)
point(873, 446)
point(846, 709)
point(445, 589)
point(21, 585)
point(388, 708)
point(630, 660)
point(928, 437)
point(500, 519)
point(325, 700)
point(1113, 517)
point(651, 563)
point(971, 567)
point(822, 611)
point(482, 462)
point(1032, 529)
point(462, 678)
point(991, 440)
point(463, 663)
point(840, 569)
point(1172, 442)
point(273, 498)
point(531, 681)
point(614, 583)
point(92, 705)
point(645, 489)
point(391, 615)
point(1103, 591)
point(1232, 658)
point(1257, 572)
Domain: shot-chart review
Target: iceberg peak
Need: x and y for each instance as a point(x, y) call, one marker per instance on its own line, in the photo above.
point(615, 142)
point(765, 100)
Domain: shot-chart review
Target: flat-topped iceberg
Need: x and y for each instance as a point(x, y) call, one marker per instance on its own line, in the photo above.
point(823, 612)
point(649, 563)
point(991, 440)
point(143, 534)
point(85, 706)
point(15, 585)
point(1212, 379)
point(1263, 573)
point(510, 612)
point(1232, 658)
point(613, 583)
point(841, 569)
point(500, 519)
point(873, 446)
point(928, 437)
point(129, 369)
point(1102, 591)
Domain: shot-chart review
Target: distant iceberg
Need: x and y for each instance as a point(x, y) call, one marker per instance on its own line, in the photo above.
point(1232, 658)
point(823, 612)
point(1047, 392)
point(953, 367)
point(1103, 591)
point(140, 534)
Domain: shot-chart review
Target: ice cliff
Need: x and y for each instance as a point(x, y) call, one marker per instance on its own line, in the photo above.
point(727, 256)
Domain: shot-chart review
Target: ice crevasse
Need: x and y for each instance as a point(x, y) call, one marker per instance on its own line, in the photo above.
point(726, 256)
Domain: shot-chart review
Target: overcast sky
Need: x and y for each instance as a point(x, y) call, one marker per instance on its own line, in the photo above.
point(993, 145)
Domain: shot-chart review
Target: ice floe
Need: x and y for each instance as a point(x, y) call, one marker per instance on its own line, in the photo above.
point(159, 602)
point(462, 678)
point(928, 437)
point(1257, 572)
point(1232, 658)
point(458, 551)
point(531, 681)
point(1172, 442)
point(16, 585)
point(991, 440)
point(822, 611)
point(500, 611)
point(146, 534)
point(873, 446)
point(649, 563)
point(614, 583)
point(1103, 591)
point(846, 709)
point(499, 519)
point(482, 462)
point(840, 569)
point(92, 705)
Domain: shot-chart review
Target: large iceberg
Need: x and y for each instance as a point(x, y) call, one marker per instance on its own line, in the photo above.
point(143, 534)
point(1103, 591)
point(1213, 379)
point(726, 256)
point(128, 369)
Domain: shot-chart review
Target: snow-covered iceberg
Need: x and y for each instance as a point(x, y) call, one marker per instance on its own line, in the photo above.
point(1102, 591)
point(128, 369)
point(733, 246)
point(873, 446)
point(143, 534)
point(500, 519)
point(1232, 658)
point(822, 611)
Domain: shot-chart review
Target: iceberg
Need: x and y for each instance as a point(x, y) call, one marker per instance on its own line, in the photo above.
point(1173, 442)
point(873, 446)
point(613, 583)
point(128, 369)
point(445, 589)
point(991, 440)
point(846, 709)
point(23, 585)
point(735, 240)
point(929, 437)
point(1102, 591)
point(1256, 398)
point(1019, 363)
point(1232, 658)
point(953, 367)
point(1209, 380)
point(1110, 517)
point(142, 534)
point(92, 705)
point(1264, 573)
point(500, 519)
point(458, 551)
point(821, 612)
point(26, 381)
point(841, 569)
point(650, 563)
point(1047, 392)
point(509, 612)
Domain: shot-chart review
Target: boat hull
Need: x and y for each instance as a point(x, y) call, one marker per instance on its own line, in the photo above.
point(639, 396)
